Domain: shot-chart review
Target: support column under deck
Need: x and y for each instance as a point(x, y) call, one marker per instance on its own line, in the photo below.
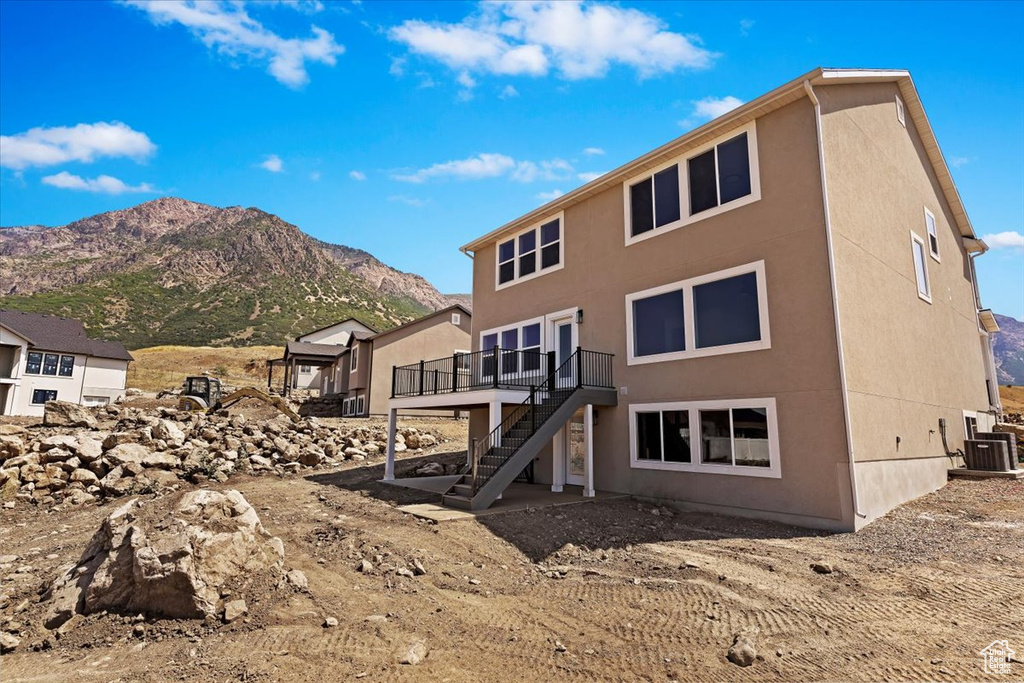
point(389, 465)
point(588, 439)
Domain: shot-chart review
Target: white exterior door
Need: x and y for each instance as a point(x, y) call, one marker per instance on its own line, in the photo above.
point(563, 339)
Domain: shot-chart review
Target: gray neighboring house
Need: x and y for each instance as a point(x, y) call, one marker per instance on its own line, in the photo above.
point(49, 358)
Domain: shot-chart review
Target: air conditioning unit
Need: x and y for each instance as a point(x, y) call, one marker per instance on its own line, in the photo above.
point(1009, 438)
point(987, 455)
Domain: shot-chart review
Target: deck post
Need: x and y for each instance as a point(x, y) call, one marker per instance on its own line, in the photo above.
point(579, 367)
point(421, 378)
point(495, 420)
point(497, 360)
point(455, 373)
point(588, 440)
point(394, 376)
point(389, 465)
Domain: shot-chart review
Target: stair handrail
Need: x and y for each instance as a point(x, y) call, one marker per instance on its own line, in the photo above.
point(575, 378)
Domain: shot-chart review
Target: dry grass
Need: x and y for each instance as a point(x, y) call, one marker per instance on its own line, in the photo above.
point(1012, 399)
point(164, 367)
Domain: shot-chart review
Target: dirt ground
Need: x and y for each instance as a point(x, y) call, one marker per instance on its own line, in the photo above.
point(596, 591)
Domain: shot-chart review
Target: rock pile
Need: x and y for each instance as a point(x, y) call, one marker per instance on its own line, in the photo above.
point(128, 451)
point(182, 564)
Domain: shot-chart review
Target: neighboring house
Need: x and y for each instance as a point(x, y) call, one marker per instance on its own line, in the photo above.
point(306, 357)
point(362, 374)
point(774, 315)
point(49, 358)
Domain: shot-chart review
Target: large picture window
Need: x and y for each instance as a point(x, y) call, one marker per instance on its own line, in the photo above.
point(531, 253)
point(717, 177)
point(722, 437)
point(723, 312)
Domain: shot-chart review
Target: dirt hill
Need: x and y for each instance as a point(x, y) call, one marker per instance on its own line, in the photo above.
point(171, 271)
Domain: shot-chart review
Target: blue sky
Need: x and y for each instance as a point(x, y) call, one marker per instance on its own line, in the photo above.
point(407, 129)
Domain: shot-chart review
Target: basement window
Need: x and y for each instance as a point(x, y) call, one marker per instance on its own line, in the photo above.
point(924, 286)
point(721, 437)
point(41, 396)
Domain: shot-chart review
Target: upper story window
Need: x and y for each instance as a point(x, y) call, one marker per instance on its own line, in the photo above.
point(933, 234)
point(717, 177)
point(354, 356)
point(53, 364)
point(456, 318)
point(924, 284)
point(531, 253)
point(723, 312)
point(901, 114)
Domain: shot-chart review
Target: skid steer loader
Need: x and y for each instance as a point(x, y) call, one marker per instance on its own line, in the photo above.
point(205, 394)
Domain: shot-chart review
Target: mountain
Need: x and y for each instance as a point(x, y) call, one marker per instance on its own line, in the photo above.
point(171, 271)
point(1008, 348)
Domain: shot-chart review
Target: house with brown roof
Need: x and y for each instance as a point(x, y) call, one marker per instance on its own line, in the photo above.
point(774, 315)
point(306, 357)
point(50, 358)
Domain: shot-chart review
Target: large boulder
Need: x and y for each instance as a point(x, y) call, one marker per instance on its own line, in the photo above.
point(64, 414)
point(174, 563)
point(10, 447)
point(133, 453)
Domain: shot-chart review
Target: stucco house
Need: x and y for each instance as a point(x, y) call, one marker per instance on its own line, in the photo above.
point(775, 315)
point(362, 374)
point(306, 357)
point(50, 358)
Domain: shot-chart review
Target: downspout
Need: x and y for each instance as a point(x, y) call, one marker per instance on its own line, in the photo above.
point(835, 299)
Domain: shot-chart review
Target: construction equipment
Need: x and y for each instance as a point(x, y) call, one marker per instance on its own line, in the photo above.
point(201, 393)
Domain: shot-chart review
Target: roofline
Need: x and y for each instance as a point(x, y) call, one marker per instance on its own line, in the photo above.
point(752, 109)
point(420, 319)
point(327, 327)
point(17, 334)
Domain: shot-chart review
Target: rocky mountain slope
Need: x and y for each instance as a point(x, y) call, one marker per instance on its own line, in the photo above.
point(171, 271)
point(1009, 350)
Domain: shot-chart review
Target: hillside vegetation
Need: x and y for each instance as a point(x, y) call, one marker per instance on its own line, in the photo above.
point(164, 367)
point(172, 271)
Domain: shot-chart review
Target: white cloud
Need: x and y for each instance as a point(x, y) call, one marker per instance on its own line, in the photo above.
point(227, 27)
point(357, 175)
point(713, 107)
point(408, 201)
point(508, 92)
point(473, 168)
point(1005, 240)
point(589, 175)
point(397, 68)
point(576, 39)
point(85, 142)
point(484, 166)
point(529, 171)
point(102, 184)
point(593, 151)
point(272, 163)
point(957, 162)
point(314, 175)
point(549, 196)
point(745, 26)
point(465, 80)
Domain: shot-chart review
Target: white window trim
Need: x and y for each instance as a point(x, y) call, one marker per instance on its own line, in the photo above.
point(456, 318)
point(684, 185)
point(360, 404)
point(901, 112)
point(353, 359)
point(516, 279)
point(773, 471)
point(914, 237)
point(934, 254)
point(689, 322)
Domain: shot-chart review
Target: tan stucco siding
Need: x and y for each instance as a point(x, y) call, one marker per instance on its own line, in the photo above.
point(785, 229)
point(439, 340)
point(908, 362)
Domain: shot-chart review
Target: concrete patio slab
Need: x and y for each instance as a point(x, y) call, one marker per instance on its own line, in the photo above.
point(516, 497)
point(986, 474)
point(439, 484)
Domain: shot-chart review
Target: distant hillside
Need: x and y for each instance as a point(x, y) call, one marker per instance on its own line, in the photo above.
point(171, 271)
point(1009, 350)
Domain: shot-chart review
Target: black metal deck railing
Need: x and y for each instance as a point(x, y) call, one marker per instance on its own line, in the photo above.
point(496, 368)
